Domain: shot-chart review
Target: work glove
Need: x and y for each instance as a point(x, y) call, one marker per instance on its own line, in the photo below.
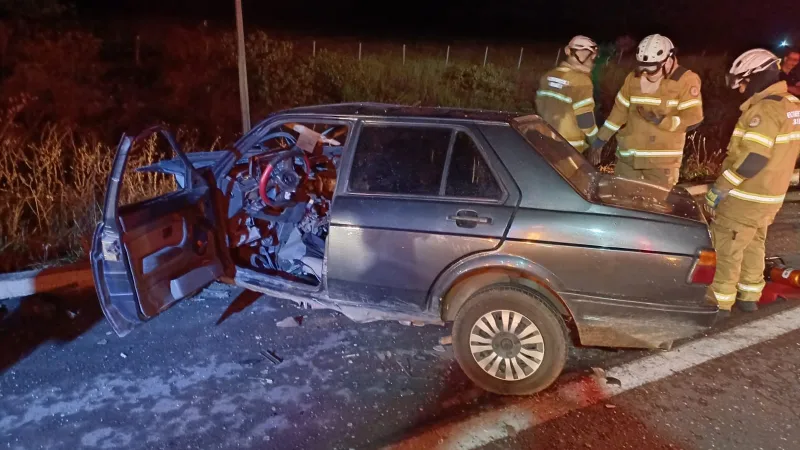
point(650, 116)
point(595, 152)
point(713, 198)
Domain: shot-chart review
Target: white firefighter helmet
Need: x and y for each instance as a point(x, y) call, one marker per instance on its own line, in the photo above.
point(653, 52)
point(580, 42)
point(749, 63)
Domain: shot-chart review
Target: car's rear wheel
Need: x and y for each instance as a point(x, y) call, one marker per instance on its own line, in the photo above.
point(509, 341)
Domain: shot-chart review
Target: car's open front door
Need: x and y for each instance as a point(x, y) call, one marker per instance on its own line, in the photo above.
point(148, 255)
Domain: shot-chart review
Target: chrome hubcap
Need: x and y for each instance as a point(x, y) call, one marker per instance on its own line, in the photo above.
point(506, 345)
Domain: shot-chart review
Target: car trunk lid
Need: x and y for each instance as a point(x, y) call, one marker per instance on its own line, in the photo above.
point(642, 196)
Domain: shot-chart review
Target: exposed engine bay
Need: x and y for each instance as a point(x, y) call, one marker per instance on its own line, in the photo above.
point(280, 198)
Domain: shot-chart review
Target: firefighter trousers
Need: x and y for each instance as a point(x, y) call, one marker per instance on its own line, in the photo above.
point(740, 263)
point(667, 178)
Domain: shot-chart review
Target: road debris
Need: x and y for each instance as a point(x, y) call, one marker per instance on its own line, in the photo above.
point(351, 355)
point(403, 368)
point(446, 340)
point(404, 322)
point(381, 356)
point(271, 356)
point(102, 342)
point(123, 355)
point(601, 374)
point(610, 406)
point(438, 348)
point(290, 322)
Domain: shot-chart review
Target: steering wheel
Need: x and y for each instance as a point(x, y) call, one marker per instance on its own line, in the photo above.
point(282, 174)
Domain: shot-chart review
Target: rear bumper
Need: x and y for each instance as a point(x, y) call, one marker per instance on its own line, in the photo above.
point(604, 322)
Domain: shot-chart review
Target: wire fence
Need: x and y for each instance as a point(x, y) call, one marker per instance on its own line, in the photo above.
point(507, 55)
point(503, 54)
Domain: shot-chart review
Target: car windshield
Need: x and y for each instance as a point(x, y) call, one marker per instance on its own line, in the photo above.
point(558, 152)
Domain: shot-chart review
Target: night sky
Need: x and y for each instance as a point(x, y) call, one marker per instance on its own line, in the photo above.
point(693, 24)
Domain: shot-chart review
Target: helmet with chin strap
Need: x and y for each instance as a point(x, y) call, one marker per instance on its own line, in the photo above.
point(750, 63)
point(580, 42)
point(652, 54)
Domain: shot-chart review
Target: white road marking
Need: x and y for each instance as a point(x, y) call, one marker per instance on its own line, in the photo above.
point(560, 400)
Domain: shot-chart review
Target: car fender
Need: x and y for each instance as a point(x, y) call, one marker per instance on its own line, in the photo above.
point(457, 284)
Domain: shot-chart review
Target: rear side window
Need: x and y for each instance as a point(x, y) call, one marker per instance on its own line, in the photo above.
point(400, 160)
point(469, 174)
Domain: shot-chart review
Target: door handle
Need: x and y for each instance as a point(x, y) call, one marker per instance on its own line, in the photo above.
point(467, 218)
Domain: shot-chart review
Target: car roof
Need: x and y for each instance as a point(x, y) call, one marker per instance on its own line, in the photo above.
point(399, 111)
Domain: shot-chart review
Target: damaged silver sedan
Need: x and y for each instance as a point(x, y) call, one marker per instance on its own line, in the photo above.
point(383, 212)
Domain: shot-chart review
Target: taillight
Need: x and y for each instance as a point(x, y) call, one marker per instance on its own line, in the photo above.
point(704, 267)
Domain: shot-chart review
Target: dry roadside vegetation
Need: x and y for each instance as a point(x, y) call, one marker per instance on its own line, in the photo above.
point(67, 93)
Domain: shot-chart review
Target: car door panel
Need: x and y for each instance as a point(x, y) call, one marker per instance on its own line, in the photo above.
point(395, 255)
point(389, 249)
point(148, 255)
point(161, 249)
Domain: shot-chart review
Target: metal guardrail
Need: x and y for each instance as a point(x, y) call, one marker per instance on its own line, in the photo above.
point(51, 279)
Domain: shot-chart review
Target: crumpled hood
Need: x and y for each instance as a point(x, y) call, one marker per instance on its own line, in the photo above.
point(642, 196)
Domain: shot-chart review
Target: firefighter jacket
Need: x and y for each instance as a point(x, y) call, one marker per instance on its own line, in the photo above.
point(761, 157)
point(641, 143)
point(564, 100)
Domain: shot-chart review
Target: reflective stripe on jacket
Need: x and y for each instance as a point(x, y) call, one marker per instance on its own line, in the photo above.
point(761, 157)
point(643, 144)
point(564, 100)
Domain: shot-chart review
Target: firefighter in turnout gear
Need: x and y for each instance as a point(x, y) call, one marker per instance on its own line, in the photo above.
point(656, 106)
point(756, 174)
point(565, 95)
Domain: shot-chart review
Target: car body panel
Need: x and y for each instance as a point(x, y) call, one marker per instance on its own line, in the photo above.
point(616, 304)
point(613, 256)
point(600, 228)
point(390, 248)
point(151, 254)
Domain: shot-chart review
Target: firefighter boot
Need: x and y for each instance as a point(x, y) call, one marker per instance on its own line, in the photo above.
point(747, 307)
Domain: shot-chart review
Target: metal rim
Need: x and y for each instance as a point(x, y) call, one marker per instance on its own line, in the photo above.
point(507, 345)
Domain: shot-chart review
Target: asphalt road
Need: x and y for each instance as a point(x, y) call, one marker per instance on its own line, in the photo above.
point(204, 375)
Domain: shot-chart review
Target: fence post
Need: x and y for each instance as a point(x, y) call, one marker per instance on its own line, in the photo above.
point(519, 63)
point(558, 56)
point(447, 56)
point(314, 48)
point(485, 56)
point(404, 54)
point(138, 45)
point(359, 51)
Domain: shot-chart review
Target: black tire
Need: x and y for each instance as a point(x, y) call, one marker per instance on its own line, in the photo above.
point(532, 306)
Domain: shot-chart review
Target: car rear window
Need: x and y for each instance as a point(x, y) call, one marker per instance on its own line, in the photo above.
point(400, 159)
point(469, 174)
point(558, 152)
